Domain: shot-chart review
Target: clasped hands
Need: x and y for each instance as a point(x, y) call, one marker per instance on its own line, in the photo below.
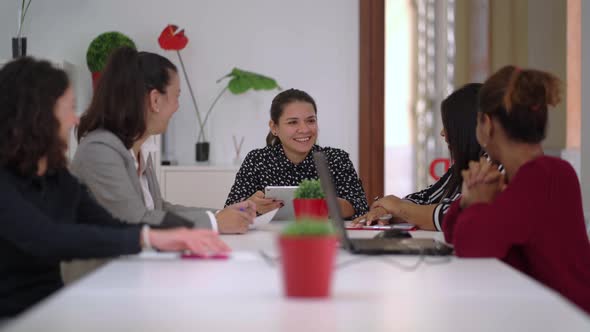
point(482, 182)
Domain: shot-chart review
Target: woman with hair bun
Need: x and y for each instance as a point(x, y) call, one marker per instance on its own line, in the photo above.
point(513, 216)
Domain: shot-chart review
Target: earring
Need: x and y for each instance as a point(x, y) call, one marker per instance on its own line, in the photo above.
point(274, 133)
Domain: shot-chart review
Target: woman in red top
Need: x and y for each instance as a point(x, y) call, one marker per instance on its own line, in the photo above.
point(531, 217)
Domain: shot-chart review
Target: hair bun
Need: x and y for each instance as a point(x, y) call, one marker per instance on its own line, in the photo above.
point(531, 89)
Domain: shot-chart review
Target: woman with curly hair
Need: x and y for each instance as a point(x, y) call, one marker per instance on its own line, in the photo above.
point(46, 215)
point(512, 216)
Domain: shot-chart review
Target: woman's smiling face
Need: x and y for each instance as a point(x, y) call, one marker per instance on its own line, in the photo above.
point(297, 128)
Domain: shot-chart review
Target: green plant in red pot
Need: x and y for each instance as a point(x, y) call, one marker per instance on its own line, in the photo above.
point(309, 201)
point(307, 255)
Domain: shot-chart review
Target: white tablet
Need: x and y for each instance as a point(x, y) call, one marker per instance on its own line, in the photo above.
point(285, 194)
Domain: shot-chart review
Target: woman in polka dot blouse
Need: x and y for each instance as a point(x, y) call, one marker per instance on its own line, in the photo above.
point(287, 158)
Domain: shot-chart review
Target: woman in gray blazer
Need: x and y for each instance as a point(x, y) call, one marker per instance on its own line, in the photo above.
point(134, 100)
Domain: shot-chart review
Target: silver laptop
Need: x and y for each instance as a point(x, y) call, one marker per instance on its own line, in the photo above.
point(376, 246)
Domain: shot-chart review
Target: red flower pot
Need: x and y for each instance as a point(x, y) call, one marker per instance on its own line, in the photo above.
point(306, 208)
point(307, 262)
point(95, 78)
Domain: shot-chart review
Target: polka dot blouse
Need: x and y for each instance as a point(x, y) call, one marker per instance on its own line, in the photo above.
point(270, 166)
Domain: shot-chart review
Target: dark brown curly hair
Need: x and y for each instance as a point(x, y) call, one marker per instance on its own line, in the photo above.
point(29, 129)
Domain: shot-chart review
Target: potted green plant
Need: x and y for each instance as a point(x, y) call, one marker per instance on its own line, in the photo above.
point(309, 201)
point(19, 43)
point(307, 255)
point(241, 81)
point(174, 38)
point(100, 48)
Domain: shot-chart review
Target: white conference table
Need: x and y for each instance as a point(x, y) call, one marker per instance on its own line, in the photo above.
point(244, 293)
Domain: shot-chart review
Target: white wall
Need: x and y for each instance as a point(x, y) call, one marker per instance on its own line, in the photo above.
point(307, 44)
point(547, 22)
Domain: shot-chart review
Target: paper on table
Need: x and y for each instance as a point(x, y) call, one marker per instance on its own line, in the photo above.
point(158, 255)
point(264, 219)
point(401, 226)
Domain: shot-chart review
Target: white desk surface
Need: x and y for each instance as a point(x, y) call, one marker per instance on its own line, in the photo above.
point(244, 293)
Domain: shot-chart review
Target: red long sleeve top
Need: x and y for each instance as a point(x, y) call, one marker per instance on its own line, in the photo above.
point(536, 225)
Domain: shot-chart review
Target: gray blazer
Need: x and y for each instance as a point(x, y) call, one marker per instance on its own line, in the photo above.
point(104, 165)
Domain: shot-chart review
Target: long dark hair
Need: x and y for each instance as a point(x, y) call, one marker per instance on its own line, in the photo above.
point(29, 129)
point(459, 117)
point(119, 101)
point(519, 99)
point(278, 105)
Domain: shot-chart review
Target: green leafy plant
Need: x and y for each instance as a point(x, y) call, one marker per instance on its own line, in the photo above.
point(241, 81)
point(101, 47)
point(308, 227)
point(309, 189)
point(174, 38)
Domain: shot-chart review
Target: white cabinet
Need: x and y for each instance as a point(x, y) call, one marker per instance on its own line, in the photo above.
point(203, 186)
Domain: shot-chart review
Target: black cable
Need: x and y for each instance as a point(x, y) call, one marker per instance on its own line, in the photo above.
point(407, 268)
point(273, 261)
point(384, 259)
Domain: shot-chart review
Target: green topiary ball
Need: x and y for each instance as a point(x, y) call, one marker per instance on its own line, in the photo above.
point(102, 46)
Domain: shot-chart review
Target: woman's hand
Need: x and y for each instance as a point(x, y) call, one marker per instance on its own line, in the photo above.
point(481, 183)
point(236, 218)
point(481, 171)
point(381, 212)
point(371, 218)
point(390, 203)
point(264, 205)
point(198, 241)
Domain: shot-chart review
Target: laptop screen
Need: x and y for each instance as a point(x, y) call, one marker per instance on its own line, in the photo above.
point(400, 245)
point(327, 184)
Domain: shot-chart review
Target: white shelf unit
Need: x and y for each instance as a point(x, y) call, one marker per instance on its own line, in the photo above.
point(196, 185)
